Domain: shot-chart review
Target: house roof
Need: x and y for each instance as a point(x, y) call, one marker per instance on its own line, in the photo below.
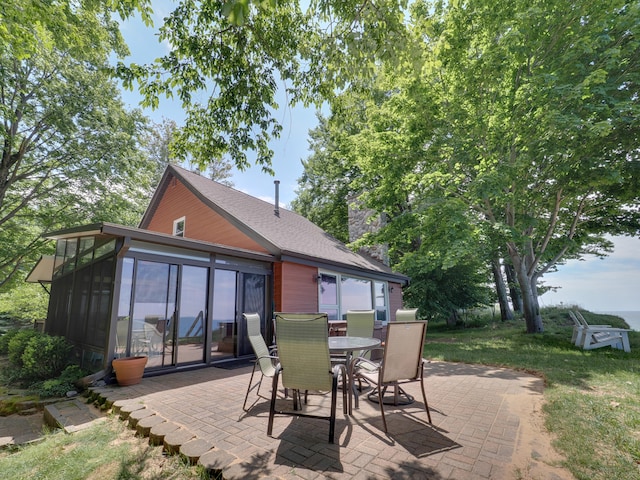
point(42, 272)
point(285, 234)
point(112, 229)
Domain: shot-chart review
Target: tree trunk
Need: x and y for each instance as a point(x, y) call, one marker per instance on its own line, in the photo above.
point(528, 288)
point(501, 291)
point(514, 288)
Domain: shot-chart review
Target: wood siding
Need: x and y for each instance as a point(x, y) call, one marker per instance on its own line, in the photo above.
point(296, 288)
point(201, 222)
point(395, 299)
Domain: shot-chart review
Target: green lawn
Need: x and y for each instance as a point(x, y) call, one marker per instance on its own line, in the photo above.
point(592, 397)
point(106, 451)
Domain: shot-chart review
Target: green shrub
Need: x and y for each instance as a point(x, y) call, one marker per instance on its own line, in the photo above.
point(58, 387)
point(6, 338)
point(45, 357)
point(18, 343)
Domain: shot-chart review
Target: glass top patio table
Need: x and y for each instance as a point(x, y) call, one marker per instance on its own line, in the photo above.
point(348, 345)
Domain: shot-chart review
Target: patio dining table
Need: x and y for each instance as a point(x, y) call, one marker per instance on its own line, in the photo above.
point(347, 345)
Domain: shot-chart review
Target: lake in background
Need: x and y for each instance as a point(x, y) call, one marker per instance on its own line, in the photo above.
point(632, 318)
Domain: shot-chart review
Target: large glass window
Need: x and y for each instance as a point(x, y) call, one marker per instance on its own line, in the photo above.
point(193, 312)
point(154, 307)
point(124, 306)
point(224, 313)
point(380, 299)
point(328, 295)
point(339, 293)
point(355, 294)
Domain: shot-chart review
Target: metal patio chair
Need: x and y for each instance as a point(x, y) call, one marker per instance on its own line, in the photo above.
point(406, 314)
point(265, 358)
point(401, 363)
point(305, 364)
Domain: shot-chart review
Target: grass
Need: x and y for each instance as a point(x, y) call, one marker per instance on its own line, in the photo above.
point(592, 399)
point(105, 451)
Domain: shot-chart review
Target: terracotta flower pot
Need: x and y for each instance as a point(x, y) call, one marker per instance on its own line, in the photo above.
point(129, 370)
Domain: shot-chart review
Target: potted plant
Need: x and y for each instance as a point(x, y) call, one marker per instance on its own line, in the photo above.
point(129, 370)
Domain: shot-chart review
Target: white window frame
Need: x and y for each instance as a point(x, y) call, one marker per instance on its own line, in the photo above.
point(338, 276)
point(176, 231)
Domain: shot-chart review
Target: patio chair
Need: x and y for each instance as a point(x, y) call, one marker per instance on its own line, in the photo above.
point(596, 336)
point(401, 363)
point(305, 364)
point(406, 314)
point(265, 358)
point(360, 323)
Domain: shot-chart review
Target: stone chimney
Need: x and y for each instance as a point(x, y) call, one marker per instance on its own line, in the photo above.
point(361, 222)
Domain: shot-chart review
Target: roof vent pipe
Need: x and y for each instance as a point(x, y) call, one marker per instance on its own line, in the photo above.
point(277, 205)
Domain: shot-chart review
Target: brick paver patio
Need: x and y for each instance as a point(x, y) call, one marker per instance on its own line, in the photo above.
point(477, 432)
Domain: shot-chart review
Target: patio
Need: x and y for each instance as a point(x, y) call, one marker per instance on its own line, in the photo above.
point(486, 424)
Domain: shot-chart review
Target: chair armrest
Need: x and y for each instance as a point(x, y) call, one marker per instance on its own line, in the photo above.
point(611, 329)
point(272, 357)
point(372, 366)
point(339, 368)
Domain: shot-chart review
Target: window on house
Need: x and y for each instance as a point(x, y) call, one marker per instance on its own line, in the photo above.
point(178, 227)
point(339, 293)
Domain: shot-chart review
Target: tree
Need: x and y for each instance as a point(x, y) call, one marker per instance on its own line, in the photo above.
point(527, 114)
point(229, 58)
point(69, 148)
point(158, 146)
point(443, 258)
point(324, 190)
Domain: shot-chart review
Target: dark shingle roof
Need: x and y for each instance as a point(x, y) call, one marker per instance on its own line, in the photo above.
point(288, 236)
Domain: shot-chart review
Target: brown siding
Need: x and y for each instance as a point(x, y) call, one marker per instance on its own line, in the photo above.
point(201, 223)
point(296, 288)
point(277, 287)
point(395, 299)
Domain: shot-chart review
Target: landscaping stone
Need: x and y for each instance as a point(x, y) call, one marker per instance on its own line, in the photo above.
point(143, 428)
point(174, 440)
point(137, 415)
point(72, 415)
point(194, 449)
point(216, 460)
point(127, 408)
point(158, 432)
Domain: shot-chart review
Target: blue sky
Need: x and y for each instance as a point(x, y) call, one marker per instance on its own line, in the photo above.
point(610, 284)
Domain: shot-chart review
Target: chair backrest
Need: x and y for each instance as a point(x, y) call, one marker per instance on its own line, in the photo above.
point(258, 344)
point(581, 319)
point(360, 323)
point(403, 347)
point(575, 319)
point(406, 314)
point(303, 350)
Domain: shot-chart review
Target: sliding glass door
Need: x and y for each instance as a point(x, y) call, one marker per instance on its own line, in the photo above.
point(190, 329)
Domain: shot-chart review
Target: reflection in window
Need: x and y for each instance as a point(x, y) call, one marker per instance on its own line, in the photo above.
point(193, 307)
point(355, 294)
point(338, 293)
point(224, 313)
point(152, 331)
point(124, 305)
point(328, 290)
point(178, 227)
point(380, 294)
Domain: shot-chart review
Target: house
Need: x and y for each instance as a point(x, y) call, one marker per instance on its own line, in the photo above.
point(175, 288)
